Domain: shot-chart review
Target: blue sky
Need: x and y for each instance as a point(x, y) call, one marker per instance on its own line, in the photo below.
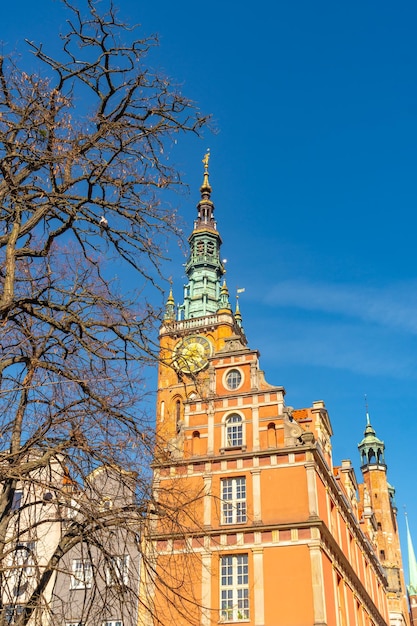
point(313, 172)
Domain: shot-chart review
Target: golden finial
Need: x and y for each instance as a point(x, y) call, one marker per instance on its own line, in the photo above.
point(206, 184)
point(206, 160)
point(169, 314)
point(224, 288)
point(170, 299)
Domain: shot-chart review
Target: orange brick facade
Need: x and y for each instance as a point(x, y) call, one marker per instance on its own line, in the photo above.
point(255, 524)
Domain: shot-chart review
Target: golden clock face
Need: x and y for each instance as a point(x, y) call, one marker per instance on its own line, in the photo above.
point(192, 353)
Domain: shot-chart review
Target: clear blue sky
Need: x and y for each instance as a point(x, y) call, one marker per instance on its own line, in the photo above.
point(313, 172)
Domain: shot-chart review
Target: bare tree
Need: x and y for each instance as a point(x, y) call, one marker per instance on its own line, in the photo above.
point(82, 162)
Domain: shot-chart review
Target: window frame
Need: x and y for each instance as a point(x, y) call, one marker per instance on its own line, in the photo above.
point(233, 431)
point(84, 580)
point(234, 499)
point(227, 384)
point(12, 611)
point(117, 570)
point(17, 499)
point(234, 588)
point(21, 567)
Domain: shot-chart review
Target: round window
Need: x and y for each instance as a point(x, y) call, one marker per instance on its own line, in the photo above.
point(233, 379)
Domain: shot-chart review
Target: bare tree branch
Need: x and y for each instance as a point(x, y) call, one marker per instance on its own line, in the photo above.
point(84, 148)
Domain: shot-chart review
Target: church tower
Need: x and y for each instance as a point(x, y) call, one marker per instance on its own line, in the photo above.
point(251, 522)
point(381, 499)
point(195, 330)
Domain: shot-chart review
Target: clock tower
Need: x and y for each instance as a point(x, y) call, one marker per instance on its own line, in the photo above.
point(196, 329)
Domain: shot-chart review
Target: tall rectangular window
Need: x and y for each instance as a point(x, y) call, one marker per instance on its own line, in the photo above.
point(234, 431)
point(82, 574)
point(23, 556)
point(17, 500)
point(21, 568)
point(233, 500)
point(234, 588)
point(117, 570)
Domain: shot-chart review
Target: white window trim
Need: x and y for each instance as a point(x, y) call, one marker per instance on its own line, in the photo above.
point(236, 613)
point(226, 444)
point(81, 577)
point(226, 374)
point(117, 572)
point(21, 567)
point(235, 505)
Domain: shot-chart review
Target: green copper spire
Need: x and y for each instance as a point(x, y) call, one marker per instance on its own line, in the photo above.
point(238, 315)
point(412, 563)
point(371, 448)
point(170, 307)
point(224, 297)
point(204, 268)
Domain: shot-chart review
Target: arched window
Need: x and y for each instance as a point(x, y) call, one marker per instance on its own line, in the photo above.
point(234, 431)
point(272, 436)
point(371, 456)
point(196, 443)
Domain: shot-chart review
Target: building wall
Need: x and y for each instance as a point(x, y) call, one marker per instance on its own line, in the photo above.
point(32, 535)
point(98, 578)
point(253, 523)
point(308, 560)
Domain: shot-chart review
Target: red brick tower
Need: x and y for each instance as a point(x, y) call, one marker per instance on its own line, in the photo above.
point(378, 496)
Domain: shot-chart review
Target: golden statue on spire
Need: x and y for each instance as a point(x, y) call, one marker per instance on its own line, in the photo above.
point(206, 160)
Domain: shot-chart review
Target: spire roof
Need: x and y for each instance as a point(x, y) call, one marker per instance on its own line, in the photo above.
point(206, 292)
point(205, 187)
point(370, 434)
point(412, 563)
point(238, 315)
point(205, 208)
point(203, 295)
point(170, 307)
point(224, 297)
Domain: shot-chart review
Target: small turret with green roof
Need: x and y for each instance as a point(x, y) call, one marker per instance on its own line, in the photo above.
point(371, 448)
point(169, 314)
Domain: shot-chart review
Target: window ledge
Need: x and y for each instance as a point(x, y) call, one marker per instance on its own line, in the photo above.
point(232, 449)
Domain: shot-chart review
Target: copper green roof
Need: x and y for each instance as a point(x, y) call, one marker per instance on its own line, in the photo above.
point(371, 448)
